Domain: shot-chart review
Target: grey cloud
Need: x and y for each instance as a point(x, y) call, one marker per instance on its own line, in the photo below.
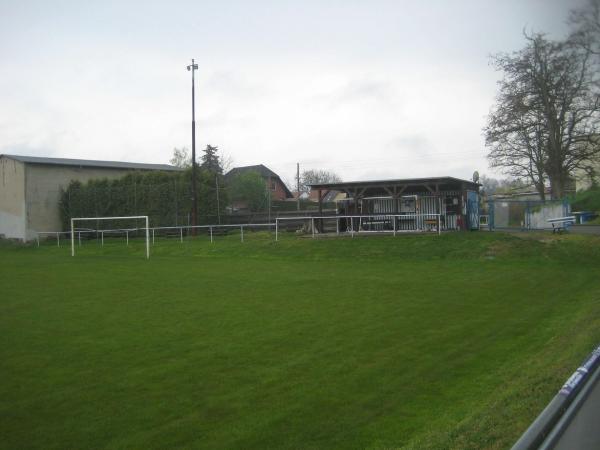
point(413, 143)
point(231, 84)
point(359, 91)
point(28, 150)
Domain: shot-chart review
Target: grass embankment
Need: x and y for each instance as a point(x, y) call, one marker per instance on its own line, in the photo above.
point(452, 341)
point(588, 200)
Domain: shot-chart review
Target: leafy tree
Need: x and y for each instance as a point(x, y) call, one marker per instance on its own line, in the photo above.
point(211, 160)
point(249, 188)
point(211, 195)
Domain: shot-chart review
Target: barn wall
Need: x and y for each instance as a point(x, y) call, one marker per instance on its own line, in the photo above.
point(43, 184)
point(12, 199)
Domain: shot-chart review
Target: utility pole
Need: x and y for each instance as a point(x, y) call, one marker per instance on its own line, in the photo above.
point(218, 202)
point(269, 196)
point(298, 185)
point(193, 67)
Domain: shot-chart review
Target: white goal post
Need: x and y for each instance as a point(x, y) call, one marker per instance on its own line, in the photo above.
point(75, 219)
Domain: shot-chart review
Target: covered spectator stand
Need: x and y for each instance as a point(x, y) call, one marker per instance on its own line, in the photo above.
point(456, 202)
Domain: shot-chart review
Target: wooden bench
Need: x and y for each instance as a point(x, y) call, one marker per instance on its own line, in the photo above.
point(560, 224)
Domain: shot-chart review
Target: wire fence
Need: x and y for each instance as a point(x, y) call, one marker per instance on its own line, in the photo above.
point(525, 214)
point(170, 202)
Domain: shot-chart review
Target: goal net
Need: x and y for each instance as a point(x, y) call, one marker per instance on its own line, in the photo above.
point(79, 221)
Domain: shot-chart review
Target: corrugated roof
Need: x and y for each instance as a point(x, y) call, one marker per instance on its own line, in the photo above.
point(374, 183)
point(90, 163)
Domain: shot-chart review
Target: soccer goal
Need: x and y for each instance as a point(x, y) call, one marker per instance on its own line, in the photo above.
point(124, 230)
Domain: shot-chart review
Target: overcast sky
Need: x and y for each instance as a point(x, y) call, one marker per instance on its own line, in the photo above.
point(369, 89)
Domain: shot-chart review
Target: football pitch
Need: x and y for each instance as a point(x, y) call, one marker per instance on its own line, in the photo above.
point(453, 341)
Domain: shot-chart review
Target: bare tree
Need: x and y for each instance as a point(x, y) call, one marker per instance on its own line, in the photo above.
point(181, 158)
point(545, 120)
point(490, 185)
point(226, 163)
point(585, 27)
point(312, 176)
point(516, 136)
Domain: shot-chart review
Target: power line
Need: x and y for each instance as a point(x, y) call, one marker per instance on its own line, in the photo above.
point(372, 162)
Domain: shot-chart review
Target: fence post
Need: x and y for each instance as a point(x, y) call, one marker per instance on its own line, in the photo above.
point(211, 235)
point(242, 232)
point(147, 243)
point(313, 226)
point(102, 237)
point(127, 237)
point(439, 224)
point(152, 236)
point(394, 220)
point(276, 230)
point(352, 226)
point(38, 239)
point(72, 239)
point(79, 238)
point(181, 234)
point(58, 239)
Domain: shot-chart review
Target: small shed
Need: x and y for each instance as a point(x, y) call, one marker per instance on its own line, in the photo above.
point(453, 200)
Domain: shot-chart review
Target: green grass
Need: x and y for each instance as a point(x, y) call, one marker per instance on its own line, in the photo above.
point(453, 341)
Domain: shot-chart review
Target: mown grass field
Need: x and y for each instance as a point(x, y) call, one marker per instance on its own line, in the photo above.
point(453, 341)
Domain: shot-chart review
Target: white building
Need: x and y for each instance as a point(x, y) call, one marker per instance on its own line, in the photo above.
point(30, 189)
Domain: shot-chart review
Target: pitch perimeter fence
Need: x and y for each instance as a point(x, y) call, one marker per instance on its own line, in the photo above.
point(350, 225)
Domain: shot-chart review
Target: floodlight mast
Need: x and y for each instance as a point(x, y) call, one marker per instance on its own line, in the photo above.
point(193, 67)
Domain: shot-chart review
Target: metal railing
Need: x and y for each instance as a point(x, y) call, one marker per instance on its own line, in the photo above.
point(354, 224)
point(390, 219)
point(547, 428)
point(211, 228)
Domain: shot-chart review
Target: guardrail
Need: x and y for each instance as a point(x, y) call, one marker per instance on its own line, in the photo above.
point(553, 420)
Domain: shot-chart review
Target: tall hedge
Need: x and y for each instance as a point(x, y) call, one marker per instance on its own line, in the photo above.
point(163, 196)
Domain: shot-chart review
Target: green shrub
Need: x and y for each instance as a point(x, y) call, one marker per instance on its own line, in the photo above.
point(163, 196)
point(588, 200)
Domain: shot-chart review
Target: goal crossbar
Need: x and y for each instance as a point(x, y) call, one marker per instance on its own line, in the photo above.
point(147, 228)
